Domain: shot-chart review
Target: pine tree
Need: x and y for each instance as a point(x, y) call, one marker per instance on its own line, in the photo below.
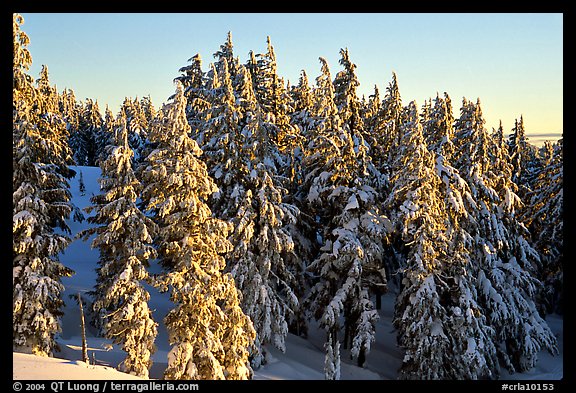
point(147, 108)
point(84, 141)
point(194, 81)
point(503, 260)
point(124, 237)
point(345, 97)
point(226, 53)
point(137, 124)
point(350, 228)
point(301, 117)
point(106, 135)
point(70, 110)
point(436, 312)
point(245, 164)
point(522, 156)
point(439, 128)
point(303, 101)
point(52, 125)
point(392, 117)
point(40, 202)
point(220, 138)
point(544, 218)
point(350, 112)
point(209, 333)
point(276, 104)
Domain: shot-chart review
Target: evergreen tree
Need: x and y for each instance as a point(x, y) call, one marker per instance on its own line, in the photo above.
point(52, 125)
point(345, 97)
point(303, 100)
point(522, 156)
point(504, 261)
point(209, 333)
point(544, 217)
point(392, 111)
point(194, 81)
point(276, 103)
point(301, 117)
point(124, 237)
point(106, 135)
point(226, 52)
point(147, 108)
point(84, 141)
point(137, 124)
point(220, 138)
point(350, 112)
point(244, 162)
point(436, 312)
point(439, 128)
point(40, 202)
point(70, 110)
point(350, 228)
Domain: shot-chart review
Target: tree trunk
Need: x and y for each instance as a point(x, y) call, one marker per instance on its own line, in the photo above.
point(83, 327)
point(361, 357)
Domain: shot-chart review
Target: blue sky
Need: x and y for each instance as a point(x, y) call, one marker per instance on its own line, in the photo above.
point(512, 62)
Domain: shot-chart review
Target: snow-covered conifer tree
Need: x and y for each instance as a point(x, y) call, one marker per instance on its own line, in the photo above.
point(245, 163)
point(137, 125)
point(40, 202)
point(194, 81)
point(436, 312)
point(303, 102)
point(350, 231)
point(544, 218)
point(106, 135)
point(209, 333)
point(522, 156)
point(226, 52)
point(124, 238)
point(83, 142)
point(301, 117)
point(70, 110)
point(439, 128)
point(276, 104)
point(345, 97)
point(504, 262)
point(392, 111)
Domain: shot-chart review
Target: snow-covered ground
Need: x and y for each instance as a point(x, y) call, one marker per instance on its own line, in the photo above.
point(303, 359)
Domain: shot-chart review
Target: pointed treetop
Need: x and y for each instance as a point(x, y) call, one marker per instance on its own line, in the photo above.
point(121, 133)
point(324, 66)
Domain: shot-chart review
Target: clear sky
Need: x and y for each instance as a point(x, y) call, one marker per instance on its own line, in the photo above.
point(512, 61)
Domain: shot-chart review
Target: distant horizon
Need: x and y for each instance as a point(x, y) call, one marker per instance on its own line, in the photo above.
point(512, 62)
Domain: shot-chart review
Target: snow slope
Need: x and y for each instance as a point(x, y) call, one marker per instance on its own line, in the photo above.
point(28, 366)
point(304, 358)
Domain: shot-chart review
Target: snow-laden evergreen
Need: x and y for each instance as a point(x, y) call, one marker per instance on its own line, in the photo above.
point(276, 104)
point(106, 135)
point(350, 232)
point(40, 203)
point(209, 333)
point(522, 157)
point(391, 116)
point(124, 238)
point(544, 217)
point(84, 141)
point(504, 261)
point(439, 128)
point(137, 125)
point(70, 109)
point(245, 163)
point(436, 313)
